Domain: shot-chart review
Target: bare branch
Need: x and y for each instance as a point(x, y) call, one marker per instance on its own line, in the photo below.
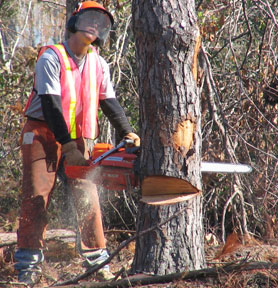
point(8, 65)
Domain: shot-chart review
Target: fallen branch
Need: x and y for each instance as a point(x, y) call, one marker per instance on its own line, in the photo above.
point(191, 275)
point(13, 284)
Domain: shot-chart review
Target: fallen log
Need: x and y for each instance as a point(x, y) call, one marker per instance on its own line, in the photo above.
point(10, 238)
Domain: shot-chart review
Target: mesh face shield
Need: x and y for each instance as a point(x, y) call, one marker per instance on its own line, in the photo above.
point(94, 22)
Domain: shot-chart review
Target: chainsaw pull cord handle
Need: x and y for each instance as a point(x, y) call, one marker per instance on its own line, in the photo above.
point(120, 145)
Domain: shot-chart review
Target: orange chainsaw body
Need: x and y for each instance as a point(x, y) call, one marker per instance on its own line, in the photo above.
point(114, 172)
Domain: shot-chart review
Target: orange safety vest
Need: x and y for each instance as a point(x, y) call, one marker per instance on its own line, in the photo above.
point(79, 92)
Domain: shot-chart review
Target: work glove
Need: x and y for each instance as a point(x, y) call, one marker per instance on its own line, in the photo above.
point(134, 137)
point(73, 156)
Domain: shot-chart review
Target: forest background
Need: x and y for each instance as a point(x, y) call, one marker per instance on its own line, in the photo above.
point(238, 61)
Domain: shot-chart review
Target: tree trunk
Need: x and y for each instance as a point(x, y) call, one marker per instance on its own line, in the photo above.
point(167, 42)
point(70, 5)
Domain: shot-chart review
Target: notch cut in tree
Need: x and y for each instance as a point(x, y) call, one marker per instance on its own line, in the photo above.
point(167, 43)
point(161, 190)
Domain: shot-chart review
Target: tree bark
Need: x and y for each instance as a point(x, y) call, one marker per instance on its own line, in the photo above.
point(167, 42)
point(70, 5)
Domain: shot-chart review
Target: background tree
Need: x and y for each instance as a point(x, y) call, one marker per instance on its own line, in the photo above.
point(166, 47)
point(18, 51)
point(239, 122)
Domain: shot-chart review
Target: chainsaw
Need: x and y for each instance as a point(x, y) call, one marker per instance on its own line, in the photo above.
point(113, 168)
point(116, 168)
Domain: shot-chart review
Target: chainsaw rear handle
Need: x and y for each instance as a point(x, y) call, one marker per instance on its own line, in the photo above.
point(120, 145)
point(128, 141)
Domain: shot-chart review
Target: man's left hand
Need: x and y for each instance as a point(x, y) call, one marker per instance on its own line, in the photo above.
point(134, 137)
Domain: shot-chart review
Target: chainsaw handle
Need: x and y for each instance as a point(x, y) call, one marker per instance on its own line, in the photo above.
point(128, 141)
point(120, 145)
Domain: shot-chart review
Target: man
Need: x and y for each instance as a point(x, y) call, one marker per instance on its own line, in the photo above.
point(71, 80)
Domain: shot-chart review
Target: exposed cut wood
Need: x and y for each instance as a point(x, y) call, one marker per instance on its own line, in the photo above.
point(183, 136)
point(195, 57)
point(162, 190)
point(167, 199)
point(166, 185)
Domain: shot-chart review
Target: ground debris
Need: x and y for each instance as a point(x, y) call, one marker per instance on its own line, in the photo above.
point(248, 264)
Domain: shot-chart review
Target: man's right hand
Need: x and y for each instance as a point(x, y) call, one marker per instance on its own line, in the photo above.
point(73, 156)
point(134, 137)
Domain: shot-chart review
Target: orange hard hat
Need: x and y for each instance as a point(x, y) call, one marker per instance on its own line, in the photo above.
point(92, 5)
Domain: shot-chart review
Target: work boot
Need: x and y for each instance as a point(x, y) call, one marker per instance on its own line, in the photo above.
point(30, 277)
point(94, 258)
point(27, 265)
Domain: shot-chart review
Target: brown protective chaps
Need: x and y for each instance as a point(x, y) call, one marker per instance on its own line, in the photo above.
point(41, 156)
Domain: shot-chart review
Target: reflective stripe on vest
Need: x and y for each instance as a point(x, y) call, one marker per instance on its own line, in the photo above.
point(72, 92)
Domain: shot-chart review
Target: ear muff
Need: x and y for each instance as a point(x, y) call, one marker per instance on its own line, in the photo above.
point(71, 23)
